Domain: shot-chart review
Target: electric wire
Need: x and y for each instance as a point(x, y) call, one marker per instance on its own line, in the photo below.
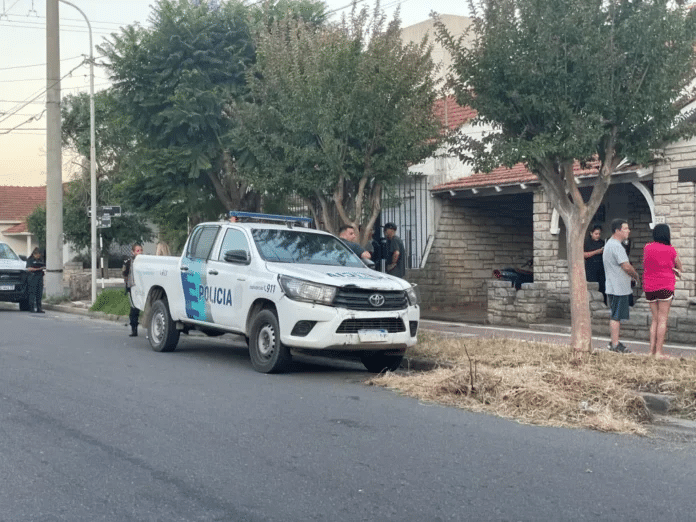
point(13, 110)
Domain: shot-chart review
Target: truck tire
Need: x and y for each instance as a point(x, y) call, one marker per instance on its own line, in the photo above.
point(268, 355)
point(163, 334)
point(379, 362)
point(24, 305)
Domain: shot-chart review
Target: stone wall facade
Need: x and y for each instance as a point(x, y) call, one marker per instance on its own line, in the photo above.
point(675, 202)
point(473, 237)
point(509, 306)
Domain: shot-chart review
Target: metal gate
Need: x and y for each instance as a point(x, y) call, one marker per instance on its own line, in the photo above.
point(408, 206)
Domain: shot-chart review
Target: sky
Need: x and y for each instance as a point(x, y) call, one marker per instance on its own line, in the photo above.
point(23, 67)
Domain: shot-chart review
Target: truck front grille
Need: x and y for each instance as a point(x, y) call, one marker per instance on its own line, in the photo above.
point(390, 324)
point(13, 277)
point(359, 299)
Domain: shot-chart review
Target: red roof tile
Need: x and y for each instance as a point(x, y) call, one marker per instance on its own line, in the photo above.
point(16, 229)
point(452, 115)
point(507, 176)
point(16, 203)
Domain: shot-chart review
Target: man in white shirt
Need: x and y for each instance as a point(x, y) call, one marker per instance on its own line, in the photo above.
point(619, 273)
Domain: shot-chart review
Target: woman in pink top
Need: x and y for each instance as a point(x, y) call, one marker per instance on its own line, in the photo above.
point(661, 267)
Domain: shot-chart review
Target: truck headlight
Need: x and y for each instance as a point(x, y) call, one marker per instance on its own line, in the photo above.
point(300, 290)
point(413, 298)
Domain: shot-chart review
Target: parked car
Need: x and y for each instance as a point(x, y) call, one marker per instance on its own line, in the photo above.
point(13, 278)
point(281, 286)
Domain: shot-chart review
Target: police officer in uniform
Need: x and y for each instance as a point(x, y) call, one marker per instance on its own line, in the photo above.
point(129, 280)
point(36, 268)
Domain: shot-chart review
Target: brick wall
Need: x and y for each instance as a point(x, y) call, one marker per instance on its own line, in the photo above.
point(473, 237)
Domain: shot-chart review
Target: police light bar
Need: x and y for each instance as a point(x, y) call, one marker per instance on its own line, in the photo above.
point(270, 217)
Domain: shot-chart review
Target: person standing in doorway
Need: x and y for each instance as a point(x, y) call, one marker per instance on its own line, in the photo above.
point(36, 268)
point(661, 267)
point(396, 255)
point(129, 280)
point(619, 273)
point(594, 266)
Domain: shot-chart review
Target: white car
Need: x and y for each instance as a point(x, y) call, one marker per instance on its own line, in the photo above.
point(13, 278)
point(283, 287)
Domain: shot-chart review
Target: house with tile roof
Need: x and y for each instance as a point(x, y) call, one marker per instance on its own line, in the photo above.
point(16, 203)
point(471, 223)
point(502, 218)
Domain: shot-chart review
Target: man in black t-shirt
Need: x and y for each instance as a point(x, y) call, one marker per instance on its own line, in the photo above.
point(594, 267)
point(396, 258)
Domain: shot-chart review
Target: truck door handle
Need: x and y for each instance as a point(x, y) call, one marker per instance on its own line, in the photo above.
point(184, 268)
point(213, 272)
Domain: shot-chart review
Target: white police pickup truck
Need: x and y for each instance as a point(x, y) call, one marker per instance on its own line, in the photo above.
point(14, 286)
point(281, 285)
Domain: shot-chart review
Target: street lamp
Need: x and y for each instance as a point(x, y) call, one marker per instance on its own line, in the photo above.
point(92, 158)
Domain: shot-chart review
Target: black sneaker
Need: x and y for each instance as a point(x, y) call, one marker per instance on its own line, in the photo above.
point(619, 348)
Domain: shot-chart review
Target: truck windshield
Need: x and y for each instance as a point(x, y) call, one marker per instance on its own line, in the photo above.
point(297, 246)
point(7, 253)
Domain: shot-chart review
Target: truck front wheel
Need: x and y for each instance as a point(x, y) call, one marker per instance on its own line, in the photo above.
point(268, 355)
point(25, 304)
point(162, 333)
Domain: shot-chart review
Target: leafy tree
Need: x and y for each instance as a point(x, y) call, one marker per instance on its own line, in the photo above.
point(337, 113)
point(174, 81)
point(36, 223)
point(124, 230)
point(565, 80)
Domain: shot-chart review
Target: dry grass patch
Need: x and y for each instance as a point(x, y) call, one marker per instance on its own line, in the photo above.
point(545, 384)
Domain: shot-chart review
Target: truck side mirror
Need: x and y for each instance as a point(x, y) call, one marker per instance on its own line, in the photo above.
point(237, 256)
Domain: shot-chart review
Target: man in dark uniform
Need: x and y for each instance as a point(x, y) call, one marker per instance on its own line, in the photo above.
point(396, 254)
point(129, 280)
point(36, 268)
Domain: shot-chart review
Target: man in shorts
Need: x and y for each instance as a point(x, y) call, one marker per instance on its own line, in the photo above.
point(619, 273)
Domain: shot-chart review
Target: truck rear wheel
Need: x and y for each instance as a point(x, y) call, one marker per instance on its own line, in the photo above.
point(268, 355)
point(162, 334)
point(379, 362)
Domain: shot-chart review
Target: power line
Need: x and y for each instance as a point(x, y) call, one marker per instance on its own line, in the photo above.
point(16, 109)
point(29, 120)
point(37, 64)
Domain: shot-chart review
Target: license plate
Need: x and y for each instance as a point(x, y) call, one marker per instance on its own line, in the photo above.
point(373, 336)
point(6, 287)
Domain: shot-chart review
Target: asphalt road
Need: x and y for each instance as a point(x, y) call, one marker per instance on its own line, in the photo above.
point(94, 426)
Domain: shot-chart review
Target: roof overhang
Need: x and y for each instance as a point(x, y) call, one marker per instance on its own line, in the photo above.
point(469, 192)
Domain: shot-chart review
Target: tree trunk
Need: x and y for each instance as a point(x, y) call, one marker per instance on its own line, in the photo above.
point(580, 319)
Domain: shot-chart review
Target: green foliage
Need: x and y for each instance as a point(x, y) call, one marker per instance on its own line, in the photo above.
point(573, 80)
point(112, 301)
point(337, 112)
point(566, 80)
point(36, 223)
point(124, 230)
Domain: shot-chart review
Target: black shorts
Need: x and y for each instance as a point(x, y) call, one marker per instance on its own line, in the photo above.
point(659, 295)
point(619, 306)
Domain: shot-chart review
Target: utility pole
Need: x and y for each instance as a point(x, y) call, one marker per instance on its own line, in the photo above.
point(54, 173)
point(92, 162)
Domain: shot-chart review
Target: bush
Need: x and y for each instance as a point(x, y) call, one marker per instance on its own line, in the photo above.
point(112, 301)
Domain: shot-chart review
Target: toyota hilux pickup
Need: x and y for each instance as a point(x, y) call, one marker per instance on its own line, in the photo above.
point(284, 287)
point(13, 278)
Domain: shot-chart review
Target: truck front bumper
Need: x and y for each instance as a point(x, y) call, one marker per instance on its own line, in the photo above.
point(319, 327)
